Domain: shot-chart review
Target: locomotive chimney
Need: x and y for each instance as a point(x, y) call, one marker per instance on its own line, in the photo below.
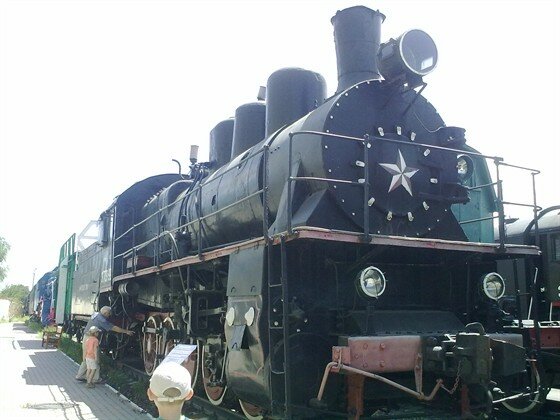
point(357, 31)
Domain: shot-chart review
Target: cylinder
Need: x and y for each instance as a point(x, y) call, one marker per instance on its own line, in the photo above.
point(221, 139)
point(357, 31)
point(248, 128)
point(128, 289)
point(292, 93)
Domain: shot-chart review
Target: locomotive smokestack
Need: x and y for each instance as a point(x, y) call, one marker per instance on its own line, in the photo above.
point(357, 31)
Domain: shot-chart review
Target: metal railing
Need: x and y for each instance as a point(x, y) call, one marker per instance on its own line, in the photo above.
point(67, 249)
point(364, 183)
point(367, 143)
point(198, 221)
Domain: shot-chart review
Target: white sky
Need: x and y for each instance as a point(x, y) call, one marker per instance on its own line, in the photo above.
point(96, 95)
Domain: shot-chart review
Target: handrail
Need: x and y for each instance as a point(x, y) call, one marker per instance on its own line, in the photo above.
point(479, 187)
point(481, 219)
point(197, 190)
point(192, 222)
point(406, 143)
point(179, 199)
point(536, 171)
point(365, 182)
point(315, 178)
point(366, 141)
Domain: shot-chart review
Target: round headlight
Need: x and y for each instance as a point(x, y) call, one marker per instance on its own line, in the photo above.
point(493, 286)
point(464, 167)
point(418, 51)
point(409, 57)
point(371, 282)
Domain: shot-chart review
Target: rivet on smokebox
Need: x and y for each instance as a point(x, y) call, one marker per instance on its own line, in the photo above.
point(365, 346)
point(382, 364)
point(382, 346)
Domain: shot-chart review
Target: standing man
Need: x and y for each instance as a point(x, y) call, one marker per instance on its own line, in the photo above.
point(101, 321)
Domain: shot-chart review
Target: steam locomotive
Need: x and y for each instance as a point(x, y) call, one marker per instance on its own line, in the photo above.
point(335, 256)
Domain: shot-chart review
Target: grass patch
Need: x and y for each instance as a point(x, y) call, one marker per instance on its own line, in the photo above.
point(140, 398)
point(19, 318)
point(126, 383)
point(71, 348)
point(34, 326)
point(132, 387)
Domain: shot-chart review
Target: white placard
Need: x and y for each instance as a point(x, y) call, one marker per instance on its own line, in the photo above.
point(179, 353)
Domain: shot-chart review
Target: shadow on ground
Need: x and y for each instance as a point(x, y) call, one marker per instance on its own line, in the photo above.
point(69, 397)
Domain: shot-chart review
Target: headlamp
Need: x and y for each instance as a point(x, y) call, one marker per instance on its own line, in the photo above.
point(371, 282)
point(465, 167)
point(411, 56)
point(493, 286)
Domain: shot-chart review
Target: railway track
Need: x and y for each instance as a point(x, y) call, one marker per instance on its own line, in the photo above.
point(201, 409)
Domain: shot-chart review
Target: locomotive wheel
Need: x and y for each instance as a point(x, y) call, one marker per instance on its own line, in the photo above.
point(213, 371)
point(150, 343)
point(169, 344)
point(191, 363)
point(118, 342)
point(253, 412)
point(529, 404)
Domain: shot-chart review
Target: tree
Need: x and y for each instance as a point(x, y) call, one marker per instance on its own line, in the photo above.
point(4, 248)
point(16, 294)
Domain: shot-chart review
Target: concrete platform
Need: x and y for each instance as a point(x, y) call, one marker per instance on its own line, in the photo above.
point(36, 383)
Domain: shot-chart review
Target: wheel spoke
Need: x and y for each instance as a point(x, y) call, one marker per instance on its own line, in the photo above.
point(213, 374)
point(150, 344)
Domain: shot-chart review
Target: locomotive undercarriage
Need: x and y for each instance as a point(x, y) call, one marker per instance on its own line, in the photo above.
point(348, 353)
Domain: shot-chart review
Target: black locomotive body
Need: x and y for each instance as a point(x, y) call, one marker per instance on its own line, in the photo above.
point(318, 260)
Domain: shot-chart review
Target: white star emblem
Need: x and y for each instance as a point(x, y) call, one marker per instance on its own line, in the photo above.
point(401, 174)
